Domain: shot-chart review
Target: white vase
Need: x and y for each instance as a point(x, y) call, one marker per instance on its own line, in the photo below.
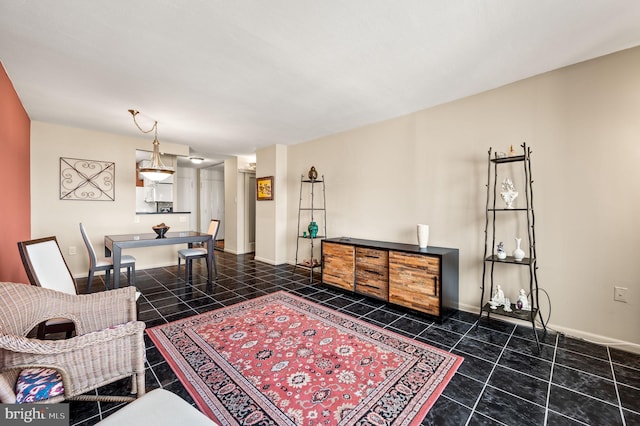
point(518, 253)
point(423, 236)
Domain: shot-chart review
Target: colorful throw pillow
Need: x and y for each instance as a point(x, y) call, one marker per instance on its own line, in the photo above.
point(37, 384)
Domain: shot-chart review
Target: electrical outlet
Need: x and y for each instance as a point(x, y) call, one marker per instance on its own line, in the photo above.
point(620, 294)
point(72, 250)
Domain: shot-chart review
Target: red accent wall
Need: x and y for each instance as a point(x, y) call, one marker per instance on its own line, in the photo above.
point(15, 187)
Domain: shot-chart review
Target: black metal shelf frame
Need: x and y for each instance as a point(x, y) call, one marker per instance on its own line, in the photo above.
point(312, 209)
point(490, 259)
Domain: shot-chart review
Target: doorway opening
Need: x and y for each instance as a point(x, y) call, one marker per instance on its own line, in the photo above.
point(250, 212)
point(211, 200)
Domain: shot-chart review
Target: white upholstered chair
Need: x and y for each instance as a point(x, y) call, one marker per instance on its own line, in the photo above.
point(190, 254)
point(101, 263)
point(159, 408)
point(45, 267)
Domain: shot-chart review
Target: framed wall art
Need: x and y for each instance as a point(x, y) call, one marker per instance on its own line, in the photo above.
point(264, 188)
point(88, 180)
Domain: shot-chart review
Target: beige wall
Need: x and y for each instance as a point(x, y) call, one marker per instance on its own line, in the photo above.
point(430, 167)
point(583, 125)
point(233, 232)
point(52, 216)
point(271, 215)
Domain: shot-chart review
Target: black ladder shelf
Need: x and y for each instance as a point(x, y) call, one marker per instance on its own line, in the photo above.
point(315, 214)
point(491, 260)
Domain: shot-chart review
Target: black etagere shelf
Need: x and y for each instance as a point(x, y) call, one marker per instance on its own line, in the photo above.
point(493, 217)
point(515, 313)
point(313, 213)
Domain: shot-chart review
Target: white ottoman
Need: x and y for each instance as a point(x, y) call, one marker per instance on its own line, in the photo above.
point(158, 408)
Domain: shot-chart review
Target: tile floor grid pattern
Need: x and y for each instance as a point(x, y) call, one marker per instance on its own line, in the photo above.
point(503, 380)
point(613, 373)
point(473, 409)
point(549, 384)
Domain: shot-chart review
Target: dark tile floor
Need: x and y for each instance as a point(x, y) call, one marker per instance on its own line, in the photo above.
point(502, 381)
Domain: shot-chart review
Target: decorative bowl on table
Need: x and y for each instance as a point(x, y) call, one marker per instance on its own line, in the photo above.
point(160, 229)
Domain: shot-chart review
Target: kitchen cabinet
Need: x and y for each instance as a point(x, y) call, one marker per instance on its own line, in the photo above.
point(159, 192)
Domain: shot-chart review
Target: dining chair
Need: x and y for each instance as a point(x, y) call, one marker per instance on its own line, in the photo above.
point(100, 263)
point(190, 254)
point(45, 267)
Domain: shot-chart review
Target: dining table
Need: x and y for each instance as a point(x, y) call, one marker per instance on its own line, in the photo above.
point(114, 244)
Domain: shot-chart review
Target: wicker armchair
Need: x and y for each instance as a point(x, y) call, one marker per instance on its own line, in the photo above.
point(108, 345)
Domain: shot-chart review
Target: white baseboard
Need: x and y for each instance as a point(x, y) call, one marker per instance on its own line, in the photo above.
point(99, 273)
point(598, 339)
point(263, 260)
point(579, 334)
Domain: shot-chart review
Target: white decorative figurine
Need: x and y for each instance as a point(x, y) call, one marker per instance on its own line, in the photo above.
point(497, 299)
point(507, 304)
point(502, 255)
point(523, 301)
point(508, 193)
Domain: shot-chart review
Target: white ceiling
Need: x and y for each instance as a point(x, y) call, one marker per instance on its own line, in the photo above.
point(228, 77)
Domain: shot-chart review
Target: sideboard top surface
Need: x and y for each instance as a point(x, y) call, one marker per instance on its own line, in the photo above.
point(408, 248)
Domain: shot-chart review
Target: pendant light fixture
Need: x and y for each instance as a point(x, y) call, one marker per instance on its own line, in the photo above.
point(157, 171)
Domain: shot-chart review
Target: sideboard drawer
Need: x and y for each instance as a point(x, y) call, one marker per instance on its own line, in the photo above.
point(372, 272)
point(371, 256)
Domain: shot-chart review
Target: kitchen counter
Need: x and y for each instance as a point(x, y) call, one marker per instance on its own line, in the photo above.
point(163, 212)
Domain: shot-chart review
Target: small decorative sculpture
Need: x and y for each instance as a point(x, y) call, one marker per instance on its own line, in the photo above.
point(523, 301)
point(507, 304)
point(498, 298)
point(502, 255)
point(508, 193)
point(313, 173)
point(313, 229)
point(309, 263)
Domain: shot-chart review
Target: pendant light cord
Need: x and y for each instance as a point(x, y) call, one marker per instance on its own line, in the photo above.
point(153, 128)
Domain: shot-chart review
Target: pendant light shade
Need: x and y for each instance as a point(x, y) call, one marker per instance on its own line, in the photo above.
point(157, 171)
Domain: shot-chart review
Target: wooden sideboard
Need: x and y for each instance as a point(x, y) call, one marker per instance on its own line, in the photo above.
point(401, 274)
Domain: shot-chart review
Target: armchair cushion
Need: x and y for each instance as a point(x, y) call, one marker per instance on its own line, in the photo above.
point(37, 384)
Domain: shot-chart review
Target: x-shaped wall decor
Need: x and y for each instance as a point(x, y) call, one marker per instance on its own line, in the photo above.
point(87, 180)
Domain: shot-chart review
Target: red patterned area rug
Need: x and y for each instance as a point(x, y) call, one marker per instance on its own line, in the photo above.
point(282, 360)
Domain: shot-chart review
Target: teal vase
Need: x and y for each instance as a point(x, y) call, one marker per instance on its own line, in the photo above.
point(313, 229)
